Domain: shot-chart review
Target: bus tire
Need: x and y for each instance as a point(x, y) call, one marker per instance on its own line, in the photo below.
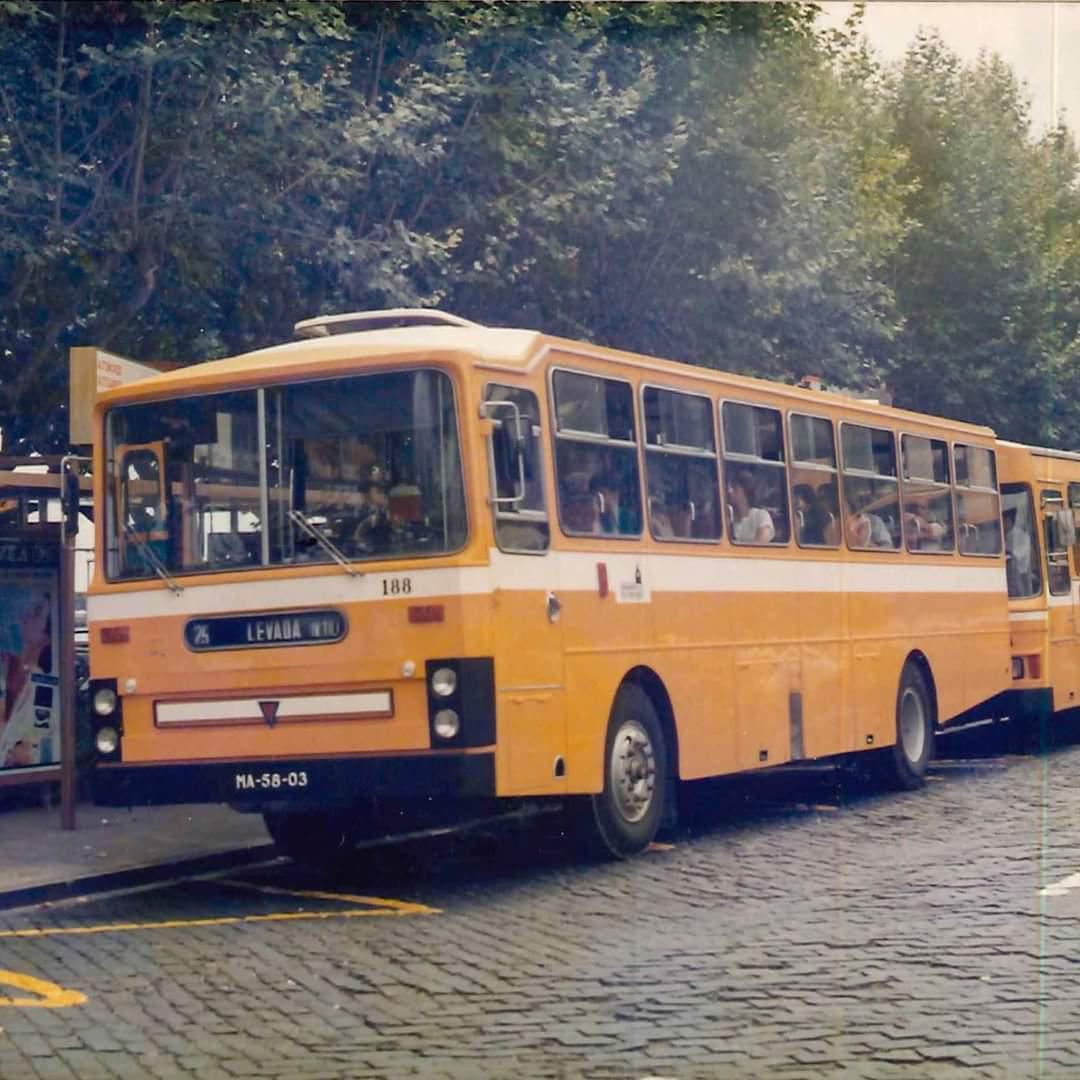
point(623, 818)
point(909, 757)
point(320, 839)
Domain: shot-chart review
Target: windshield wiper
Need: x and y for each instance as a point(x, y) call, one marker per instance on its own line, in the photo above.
point(298, 517)
point(152, 560)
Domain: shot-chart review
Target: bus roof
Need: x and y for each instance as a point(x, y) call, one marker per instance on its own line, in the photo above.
point(492, 348)
point(1042, 451)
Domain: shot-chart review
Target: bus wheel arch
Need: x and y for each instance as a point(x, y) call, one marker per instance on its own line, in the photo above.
point(919, 658)
point(654, 687)
point(639, 769)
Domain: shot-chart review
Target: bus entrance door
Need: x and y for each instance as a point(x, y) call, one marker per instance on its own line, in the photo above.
point(528, 633)
point(529, 680)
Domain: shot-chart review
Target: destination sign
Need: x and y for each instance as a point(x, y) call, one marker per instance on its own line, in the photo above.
point(263, 631)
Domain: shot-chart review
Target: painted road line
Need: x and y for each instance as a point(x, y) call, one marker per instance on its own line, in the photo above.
point(47, 994)
point(376, 907)
point(1060, 888)
point(225, 920)
point(399, 907)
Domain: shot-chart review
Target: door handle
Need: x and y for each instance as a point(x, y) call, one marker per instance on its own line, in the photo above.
point(554, 608)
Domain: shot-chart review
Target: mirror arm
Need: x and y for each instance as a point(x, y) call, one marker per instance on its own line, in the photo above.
point(487, 407)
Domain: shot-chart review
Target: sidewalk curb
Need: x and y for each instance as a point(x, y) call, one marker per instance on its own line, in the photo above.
point(134, 876)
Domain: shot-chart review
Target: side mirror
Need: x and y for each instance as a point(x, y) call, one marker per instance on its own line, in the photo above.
point(69, 501)
point(511, 440)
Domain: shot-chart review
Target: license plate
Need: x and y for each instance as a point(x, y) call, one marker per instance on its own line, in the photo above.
point(271, 781)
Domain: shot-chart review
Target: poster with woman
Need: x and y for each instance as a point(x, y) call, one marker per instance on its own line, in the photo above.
point(29, 686)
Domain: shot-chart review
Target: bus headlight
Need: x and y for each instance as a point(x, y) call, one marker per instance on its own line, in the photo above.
point(460, 701)
point(105, 701)
point(444, 682)
point(447, 723)
point(107, 740)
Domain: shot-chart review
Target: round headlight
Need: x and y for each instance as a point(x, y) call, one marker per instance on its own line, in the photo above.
point(106, 740)
point(105, 701)
point(444, 682)
point(447, 723)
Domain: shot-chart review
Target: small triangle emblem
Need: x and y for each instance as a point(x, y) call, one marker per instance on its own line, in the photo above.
point(269, 711)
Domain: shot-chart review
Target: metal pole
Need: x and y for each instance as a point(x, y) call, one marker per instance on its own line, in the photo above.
point(69, 775)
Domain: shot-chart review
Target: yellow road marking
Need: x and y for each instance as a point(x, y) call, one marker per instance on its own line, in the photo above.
point(49, 995)
point(226, 920)
point(379, 907)
point(657, 846)
point(400, 907)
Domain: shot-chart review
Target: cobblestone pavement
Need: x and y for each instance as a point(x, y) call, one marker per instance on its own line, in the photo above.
point(795, 927)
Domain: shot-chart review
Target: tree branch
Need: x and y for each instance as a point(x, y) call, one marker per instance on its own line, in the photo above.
point(58, 119)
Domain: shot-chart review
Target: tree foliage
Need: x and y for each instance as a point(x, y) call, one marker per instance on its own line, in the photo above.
point(720, 183)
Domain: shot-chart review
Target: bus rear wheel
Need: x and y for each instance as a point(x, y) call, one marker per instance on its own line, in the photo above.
point(910, 756)
point(321, 839)
point(623, 819)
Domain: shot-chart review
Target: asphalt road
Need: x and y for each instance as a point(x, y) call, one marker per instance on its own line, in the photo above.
point(793, 925)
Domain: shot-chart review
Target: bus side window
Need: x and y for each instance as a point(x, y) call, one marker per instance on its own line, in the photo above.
point(1074, 506)
point(978, 511)
point(515, 469)
point(1058, 534)
point(680, 466)
point(871, 487)
point(755, 474)
point(1021, 547)
point(596, 460)
point(928, 501)
point(815, 502)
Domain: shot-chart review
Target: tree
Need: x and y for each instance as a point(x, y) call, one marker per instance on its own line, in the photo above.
point(128, 133)
point(970, 276)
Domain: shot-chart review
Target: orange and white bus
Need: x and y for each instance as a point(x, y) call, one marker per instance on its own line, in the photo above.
point(1040, 504)
point(417, 561)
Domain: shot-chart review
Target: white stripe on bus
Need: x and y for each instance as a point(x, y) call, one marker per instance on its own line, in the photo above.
point(180, 712)
point(572, 571)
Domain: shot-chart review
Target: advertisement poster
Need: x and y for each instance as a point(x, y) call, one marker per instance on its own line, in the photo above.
point(29, 654)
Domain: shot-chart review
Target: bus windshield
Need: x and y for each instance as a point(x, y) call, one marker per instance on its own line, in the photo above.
point(359, 467)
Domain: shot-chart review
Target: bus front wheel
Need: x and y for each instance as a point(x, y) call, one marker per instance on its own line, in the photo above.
point(908, 759)
point(320, 839)
point(623, 818)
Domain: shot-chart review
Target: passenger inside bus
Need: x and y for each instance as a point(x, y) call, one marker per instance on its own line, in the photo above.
point(750, 524)
point(827, 504)
point(611, 518)
point(597, 492)
point(921, 533)
point(1022, 580)
point(810, 518)
point(661, 520)
point(866, 529)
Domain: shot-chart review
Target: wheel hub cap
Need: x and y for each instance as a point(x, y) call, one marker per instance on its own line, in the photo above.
point(912, 725)
point(633, 771)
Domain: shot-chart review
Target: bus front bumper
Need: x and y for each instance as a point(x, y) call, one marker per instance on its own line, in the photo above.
point(324, 782)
